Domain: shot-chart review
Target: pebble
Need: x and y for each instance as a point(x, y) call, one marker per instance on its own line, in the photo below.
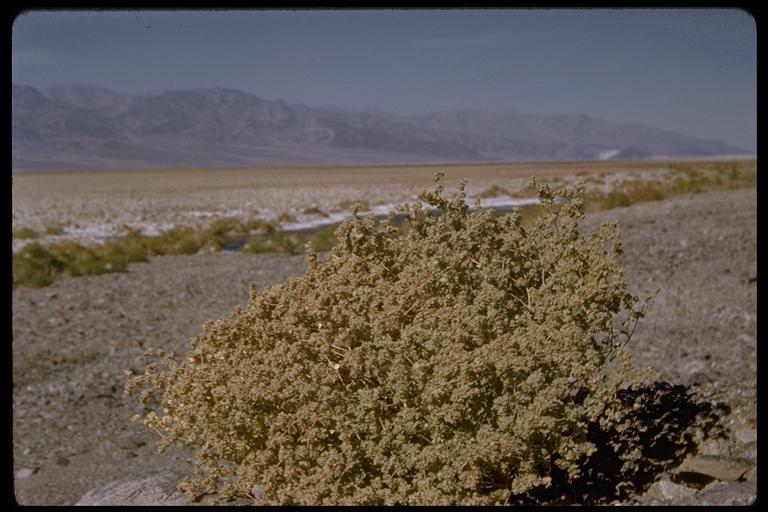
point(25, 473)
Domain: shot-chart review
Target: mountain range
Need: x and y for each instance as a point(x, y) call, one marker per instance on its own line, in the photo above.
point(80, 126)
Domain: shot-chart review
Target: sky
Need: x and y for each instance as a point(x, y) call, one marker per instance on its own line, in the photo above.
point(692, 71)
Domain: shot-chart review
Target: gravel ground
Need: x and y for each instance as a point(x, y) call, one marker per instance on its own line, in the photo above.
point(72, 341)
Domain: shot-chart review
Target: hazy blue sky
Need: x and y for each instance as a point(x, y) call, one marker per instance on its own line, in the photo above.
point(691, 71)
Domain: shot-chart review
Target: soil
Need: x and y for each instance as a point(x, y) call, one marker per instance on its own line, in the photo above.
point(73, 340)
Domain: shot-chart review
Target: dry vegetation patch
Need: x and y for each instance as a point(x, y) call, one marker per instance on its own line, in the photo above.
point(469, 360)
point(39, 262)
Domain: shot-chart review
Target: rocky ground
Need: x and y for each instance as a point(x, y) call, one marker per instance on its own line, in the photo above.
point(71, 342)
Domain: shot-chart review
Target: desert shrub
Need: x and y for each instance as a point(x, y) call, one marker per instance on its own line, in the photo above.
point(314, 210)
point(493, 191)
point(359, 205)
point(54, 229)
point(80, 260)
point(290, 242)
point(278, 241)
point(284, 217)
point(37, 265)
point(736, 174)
point(177, 240)
point(639, 191)
point(25, 233)
point(600, 200)
point(685, 169)
point(119, 253)
point(227, 226)
point(324, 239)
point(597, 180)
point(463, 362)
point(34, 266)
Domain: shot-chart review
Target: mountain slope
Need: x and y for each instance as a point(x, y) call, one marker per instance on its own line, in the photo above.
point(84, 126)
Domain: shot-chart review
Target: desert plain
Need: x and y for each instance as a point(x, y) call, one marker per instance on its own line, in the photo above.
point(73, 340)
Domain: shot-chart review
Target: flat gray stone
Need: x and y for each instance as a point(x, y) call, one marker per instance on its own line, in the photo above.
point(718, 467)
point(154, 489)
point(728, 494)
point(668, 490)
point(745, 434)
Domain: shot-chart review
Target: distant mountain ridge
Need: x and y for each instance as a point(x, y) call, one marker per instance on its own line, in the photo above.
point(79, 126)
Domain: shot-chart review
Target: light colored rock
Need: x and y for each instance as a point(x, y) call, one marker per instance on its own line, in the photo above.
point(749, 451)
point(666, 492)
point(671, 491)
point(721, 468)
point(714, 446)
point(695, 372)
point(25, 473)
point(747, 339)
point(727, 494)
point(745, 434)
point(155, 489)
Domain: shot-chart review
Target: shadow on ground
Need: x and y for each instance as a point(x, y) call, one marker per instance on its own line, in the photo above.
point(655, 434)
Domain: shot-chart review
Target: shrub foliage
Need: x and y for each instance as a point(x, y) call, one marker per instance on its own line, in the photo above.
point(460, 363)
